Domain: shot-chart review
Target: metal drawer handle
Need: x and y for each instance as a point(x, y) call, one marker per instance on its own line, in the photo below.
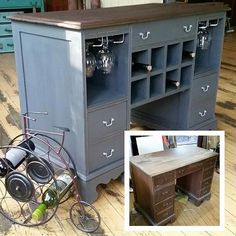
point(8, 30)
point(164, 193)
point(188, 28)
point(145, 36)
point(202, 114)
point(10, 44)
point(108, 124)
point(205, 89)
point(106, 154)
point(166, 204)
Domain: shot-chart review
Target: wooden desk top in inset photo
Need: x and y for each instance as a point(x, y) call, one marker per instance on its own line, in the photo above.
point(160, 162)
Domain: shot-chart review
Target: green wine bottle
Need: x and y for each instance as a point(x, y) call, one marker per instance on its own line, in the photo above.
point(52, 196)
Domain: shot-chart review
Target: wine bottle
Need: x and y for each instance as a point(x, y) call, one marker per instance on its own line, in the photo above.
point(15, 157)
point(52, 196)
point(141, 66)
point(188, 54)
point(173, 83)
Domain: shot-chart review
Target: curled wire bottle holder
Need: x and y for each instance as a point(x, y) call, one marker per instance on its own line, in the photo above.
point(21, 189)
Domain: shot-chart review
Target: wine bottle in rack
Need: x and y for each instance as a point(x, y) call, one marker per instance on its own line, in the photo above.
point(141, 66)
point(15, 157)
point(52, 196)
point(173, 83)
point(188, 54)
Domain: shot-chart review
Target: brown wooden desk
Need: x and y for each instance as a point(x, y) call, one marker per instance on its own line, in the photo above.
point(156, 175)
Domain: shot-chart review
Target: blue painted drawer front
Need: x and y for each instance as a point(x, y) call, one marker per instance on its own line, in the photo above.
point(106, 152)
point(5, 29)
point(4, 16)
point(107, 121)
point(7, 4)
point(157, 32)
point(202, 112)
point(6, 44)
point(204, 89)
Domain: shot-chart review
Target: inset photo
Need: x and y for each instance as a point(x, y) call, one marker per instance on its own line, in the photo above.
point(174, 179)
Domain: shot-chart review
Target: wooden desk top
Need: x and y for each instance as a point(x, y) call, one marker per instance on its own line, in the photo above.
point(160, 162)
point(95, 18)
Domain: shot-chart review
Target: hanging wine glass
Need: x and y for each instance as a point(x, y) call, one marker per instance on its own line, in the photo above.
point(105, 59)
point(204, 39)
point(90, 63)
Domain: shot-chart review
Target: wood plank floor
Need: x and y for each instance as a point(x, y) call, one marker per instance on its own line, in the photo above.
point(111, 201)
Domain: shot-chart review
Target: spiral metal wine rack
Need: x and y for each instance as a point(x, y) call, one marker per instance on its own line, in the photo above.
point(21, 189)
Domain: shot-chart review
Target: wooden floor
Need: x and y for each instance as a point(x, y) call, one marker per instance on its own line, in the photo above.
point(111, 201)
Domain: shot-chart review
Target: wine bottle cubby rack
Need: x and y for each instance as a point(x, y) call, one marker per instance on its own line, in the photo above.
point(171, 71)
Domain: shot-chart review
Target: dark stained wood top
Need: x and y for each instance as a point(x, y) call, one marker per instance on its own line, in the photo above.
point(95, 18)
point(161, 162)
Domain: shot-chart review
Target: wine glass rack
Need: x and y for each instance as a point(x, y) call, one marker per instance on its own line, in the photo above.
point(22, 185)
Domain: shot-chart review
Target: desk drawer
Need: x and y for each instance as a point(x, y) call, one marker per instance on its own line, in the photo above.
point(5, 29)
point(210, 162)
point(163, 179)
point(161, 31)
point(4, 16)
point(105, 121)
point(106, 152)
point(188, 169)
point(201, 112)
point(205, 191)
point(208, 172)
point(165, 214)
point(162, 194)
point(204, 88)
point(206, 183)
point(6, 44)
point(20, 4)
point(164, 205)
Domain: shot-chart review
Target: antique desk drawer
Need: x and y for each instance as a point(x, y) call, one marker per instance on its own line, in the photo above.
point(188, 169)
point(201, 112)
point(107, 121)
point(204, 88)
point(163, 193)
point(106, 152)
point(153, 32)
point(205, 190)
point(206, 183)
point(5, 29)
point(209, 162)
point(6, 44)
point(164, 204)
point(163, 179)
point(165, 214)
point(208, 172)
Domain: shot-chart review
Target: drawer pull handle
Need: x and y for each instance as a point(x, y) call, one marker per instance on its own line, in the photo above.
point(106, 154)
point(4, 17)
point(166, 204)
point(145, 36)
point(10, 44)
point(164, 193)
point(8, 30)
point(202, 114)
point(108, 124)
point(188, 28)
point(205, 89)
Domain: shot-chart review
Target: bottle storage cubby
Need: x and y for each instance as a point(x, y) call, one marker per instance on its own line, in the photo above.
point(140, 63)
point(157, 58)
point(172, 80)
point(209, 43)
point(106, 68)
point(186, 76)
point(138, 90)
point(188, 52)
point(173, 54)
point(156, 85)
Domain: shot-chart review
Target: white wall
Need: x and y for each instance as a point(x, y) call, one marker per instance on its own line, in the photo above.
point(113, 3)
